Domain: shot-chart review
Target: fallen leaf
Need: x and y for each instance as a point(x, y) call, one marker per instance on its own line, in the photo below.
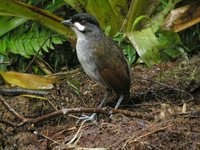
point(28, 81)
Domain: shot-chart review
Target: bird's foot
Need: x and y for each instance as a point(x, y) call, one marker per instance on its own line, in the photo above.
point(87, 118)
point(111, 116)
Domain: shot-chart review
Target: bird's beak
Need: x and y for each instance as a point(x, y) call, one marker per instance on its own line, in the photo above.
point(67, 22)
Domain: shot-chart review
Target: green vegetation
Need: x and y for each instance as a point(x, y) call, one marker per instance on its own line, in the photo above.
point(32, 28)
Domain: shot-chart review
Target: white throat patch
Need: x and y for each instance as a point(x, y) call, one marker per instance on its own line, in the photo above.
point(79, 26)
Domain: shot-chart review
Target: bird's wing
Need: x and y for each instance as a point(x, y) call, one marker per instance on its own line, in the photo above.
point(114, 69)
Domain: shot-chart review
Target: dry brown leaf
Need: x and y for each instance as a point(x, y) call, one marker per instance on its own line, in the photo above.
point(182, 18)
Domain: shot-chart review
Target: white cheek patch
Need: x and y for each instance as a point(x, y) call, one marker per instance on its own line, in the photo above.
point(79, 26)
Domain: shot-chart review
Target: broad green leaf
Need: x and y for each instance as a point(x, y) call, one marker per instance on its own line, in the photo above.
point(20, 41)
point(167, 36)
point(52, 6)
point(19, 9)
point(108, 12)
point(170, 42)
point(3, 45)
point(146, 45)
point(76, 4)
point(136, 9)
point(7, 24)
point(154, 49)
point(106, 16)
point(120, 8)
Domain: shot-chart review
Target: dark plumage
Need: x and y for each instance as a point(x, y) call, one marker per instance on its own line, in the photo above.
point(100, 57)
point(85, 17)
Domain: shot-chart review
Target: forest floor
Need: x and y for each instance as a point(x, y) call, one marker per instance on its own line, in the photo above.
point(165, 97)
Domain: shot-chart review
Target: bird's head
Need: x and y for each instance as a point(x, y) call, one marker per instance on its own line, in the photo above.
point(82, 23)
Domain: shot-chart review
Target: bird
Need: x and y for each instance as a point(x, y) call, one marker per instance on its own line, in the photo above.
point(100, 57)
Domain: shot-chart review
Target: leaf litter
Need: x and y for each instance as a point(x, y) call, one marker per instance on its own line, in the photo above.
point(169, 92)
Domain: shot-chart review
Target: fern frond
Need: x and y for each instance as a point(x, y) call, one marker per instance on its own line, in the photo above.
point(28, 41)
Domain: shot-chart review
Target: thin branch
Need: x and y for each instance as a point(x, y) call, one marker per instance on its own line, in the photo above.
point(11, 110)
point(132, 140)
point(66, 111)
point(37, 53)
point(6, 63)
point(45, 137)
point(19, 91)
point(149, 133)
point(8, 123)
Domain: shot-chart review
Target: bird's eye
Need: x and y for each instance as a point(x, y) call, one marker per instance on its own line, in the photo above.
point(83, 21)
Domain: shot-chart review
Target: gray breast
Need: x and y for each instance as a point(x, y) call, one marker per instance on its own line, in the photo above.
point(85, 53)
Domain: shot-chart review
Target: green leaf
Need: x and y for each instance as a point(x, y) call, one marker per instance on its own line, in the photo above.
point(52, 6)
point(119, 7)
point(137, 20)
point(35, 44)
point(3, 45)
point(57, 40)
point(154, 49)
point(167, 37)
point(27, 41)
point(136, 9)
point(7, 24)
point(108, 12)
point(20, 9)
point(106, 15)
point(118, 37)
point(128, 49)
point(3, 58)
point(146, 45)
point(76, 4)
point(170, 42)
point(159, 18)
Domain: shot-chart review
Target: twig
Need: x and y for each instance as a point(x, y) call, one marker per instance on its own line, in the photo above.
point(19, 91)
point(11, 110)
point(37, 53)
point(8, 123)
point(66, 111)
point(145, 135)
point(45, 137)
point(5, 63)
point(44, 66)
point(77, 136)
point(149, 133)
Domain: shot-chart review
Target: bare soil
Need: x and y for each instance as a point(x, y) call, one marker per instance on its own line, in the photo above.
point(169, 93)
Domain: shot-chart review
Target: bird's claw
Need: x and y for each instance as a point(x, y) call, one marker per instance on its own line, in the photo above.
point(87, 118)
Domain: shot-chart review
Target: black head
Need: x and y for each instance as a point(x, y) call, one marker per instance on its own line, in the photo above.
point(83, 22)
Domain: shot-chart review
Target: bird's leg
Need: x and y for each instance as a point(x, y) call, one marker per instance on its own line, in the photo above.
point(92, 117)
point(118, 103)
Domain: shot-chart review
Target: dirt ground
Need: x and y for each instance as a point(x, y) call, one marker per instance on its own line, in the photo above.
point(166, 96)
